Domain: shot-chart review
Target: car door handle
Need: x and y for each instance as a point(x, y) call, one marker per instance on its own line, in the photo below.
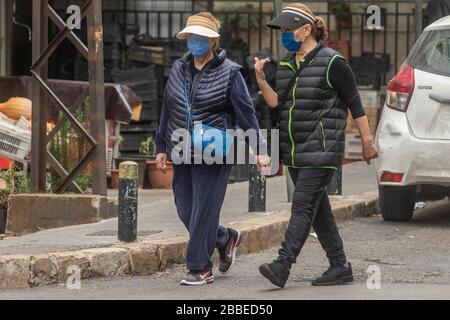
point(440, 98)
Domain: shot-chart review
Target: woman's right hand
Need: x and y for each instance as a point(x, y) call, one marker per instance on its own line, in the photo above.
point(161, 162)
point(259, 68)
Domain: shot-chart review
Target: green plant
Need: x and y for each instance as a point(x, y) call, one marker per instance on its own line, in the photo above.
point(4, 195)
point(84, 182)
point(148, 147)
point(143, 148)
point(338, 6)
point(68, 147)
point(16, 183)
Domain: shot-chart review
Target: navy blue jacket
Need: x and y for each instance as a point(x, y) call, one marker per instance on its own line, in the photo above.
point(218, 96)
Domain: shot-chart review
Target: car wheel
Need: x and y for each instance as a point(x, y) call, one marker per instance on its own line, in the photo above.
point(397, 203)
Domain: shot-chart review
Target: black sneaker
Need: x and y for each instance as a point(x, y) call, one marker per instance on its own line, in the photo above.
point(197, 278)
point(335, 276)
point(228, 254)
point(276, 272)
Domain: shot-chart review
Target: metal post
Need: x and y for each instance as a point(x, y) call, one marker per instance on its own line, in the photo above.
point(281, 52)
point(290, 186)
point(334, 188)
point(419, 18)
point(128, 201)
point(39, 112)
point(97, 97)
point(256, 190)
point(278, 7)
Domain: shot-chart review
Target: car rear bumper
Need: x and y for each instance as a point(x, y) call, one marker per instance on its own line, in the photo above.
point(421, 161)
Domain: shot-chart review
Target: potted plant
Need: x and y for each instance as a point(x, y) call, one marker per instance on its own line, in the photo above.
point(156, 178)
point(342, 13)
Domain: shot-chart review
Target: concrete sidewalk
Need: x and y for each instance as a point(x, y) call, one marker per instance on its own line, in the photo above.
point(51, 256)
point(158, 218)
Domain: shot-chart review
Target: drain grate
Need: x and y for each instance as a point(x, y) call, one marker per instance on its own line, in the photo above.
point(114, 233)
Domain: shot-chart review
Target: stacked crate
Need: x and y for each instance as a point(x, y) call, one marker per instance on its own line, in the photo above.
point(369, 69)
point(112, 51)
point(143, 82)
point(371, 102)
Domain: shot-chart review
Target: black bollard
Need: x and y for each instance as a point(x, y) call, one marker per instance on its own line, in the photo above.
point(128, 201)
point(256, 190)
point(334, 188)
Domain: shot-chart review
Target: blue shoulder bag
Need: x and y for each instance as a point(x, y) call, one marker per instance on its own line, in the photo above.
point(218, 142)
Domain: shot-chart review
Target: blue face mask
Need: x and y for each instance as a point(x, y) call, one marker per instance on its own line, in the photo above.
point(289, 42)
point(198, 46)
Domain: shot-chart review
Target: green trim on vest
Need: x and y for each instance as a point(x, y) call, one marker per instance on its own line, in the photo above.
point(324, 143)
point(329, 66)
point(287, 64)
point(290, 122)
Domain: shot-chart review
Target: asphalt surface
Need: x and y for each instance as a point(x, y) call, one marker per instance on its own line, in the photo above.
point(413, 258)
point(157, 215)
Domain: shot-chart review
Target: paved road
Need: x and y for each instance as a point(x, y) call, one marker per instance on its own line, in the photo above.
point(413, 257)
point(157, 212)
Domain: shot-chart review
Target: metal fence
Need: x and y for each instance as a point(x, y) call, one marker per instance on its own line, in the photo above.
point(246, 20)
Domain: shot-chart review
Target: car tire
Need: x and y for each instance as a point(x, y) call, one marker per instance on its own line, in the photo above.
point(397, 203)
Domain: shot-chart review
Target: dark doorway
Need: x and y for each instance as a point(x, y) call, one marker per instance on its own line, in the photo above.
point(21, 44)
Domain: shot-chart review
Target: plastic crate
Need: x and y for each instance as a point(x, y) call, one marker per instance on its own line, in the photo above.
point(150, 111)
point(15, 142)
point(133, 74)
point(112, 51)
point(368, 80)
point(132, 141)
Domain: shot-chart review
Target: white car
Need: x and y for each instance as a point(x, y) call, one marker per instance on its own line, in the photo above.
point(413, 135)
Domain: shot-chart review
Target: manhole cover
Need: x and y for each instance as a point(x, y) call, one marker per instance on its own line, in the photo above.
point(114, 233)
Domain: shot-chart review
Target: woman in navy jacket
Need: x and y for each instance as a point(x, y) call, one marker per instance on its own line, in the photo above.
point(204, 86)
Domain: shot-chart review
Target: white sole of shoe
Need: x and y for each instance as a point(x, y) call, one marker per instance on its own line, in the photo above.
point(197, 283)
point(234, 252)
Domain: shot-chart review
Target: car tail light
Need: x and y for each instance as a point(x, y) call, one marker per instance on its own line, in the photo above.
point(400, 89)
point(392, 177)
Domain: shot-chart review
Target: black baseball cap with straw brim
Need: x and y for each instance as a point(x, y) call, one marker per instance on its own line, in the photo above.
point(291, 18)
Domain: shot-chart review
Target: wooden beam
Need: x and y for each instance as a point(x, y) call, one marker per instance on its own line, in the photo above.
point(39, 111)
point(61, 171)
point(56, 19)
point(97, 97)
point(8, 37)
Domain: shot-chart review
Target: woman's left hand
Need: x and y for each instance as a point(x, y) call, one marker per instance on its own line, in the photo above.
point(369, 150)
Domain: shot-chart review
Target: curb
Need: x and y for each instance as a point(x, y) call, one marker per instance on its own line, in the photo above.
point(148, 257)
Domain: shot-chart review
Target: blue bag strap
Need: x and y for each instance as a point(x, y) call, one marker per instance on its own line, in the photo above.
point(186, 97)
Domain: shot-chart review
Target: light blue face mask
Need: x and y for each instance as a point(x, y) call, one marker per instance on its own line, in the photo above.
point(198, 46)
point(288, 39)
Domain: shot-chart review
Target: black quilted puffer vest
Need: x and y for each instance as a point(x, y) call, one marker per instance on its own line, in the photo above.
point(208, 94)
point(313, 120)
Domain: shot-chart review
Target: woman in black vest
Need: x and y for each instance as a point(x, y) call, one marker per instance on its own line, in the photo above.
point(315, 87)
point(204, 87)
